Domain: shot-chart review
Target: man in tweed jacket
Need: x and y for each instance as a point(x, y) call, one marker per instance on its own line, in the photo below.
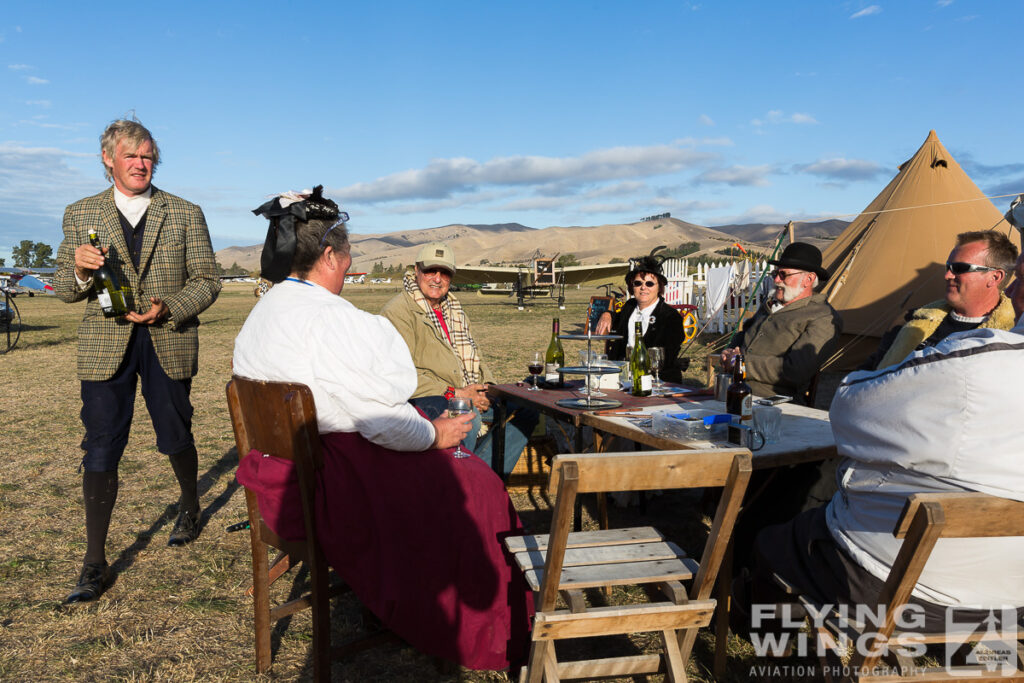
point(159, 247)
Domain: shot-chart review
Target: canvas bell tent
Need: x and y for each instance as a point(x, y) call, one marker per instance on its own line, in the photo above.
point(890, 259)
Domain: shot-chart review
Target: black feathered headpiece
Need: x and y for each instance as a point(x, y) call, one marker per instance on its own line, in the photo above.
point(282, 211)
point(647, 264)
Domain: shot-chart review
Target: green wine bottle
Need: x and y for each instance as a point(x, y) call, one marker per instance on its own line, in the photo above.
point(554, 357)
point(640, 364)
point(108, 289)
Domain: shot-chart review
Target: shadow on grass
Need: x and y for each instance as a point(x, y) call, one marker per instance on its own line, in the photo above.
point(225, 463)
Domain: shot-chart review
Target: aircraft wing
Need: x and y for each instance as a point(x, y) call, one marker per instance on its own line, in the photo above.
point(575, 275)
point(479, 275)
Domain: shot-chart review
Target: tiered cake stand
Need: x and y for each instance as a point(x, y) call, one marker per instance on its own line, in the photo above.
point(587, 401)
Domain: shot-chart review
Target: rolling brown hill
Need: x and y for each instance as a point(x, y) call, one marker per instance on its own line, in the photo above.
point(509, 243)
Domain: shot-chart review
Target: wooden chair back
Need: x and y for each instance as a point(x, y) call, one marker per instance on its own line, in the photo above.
point(926, 518)
point(615, 558)
point(279, 418)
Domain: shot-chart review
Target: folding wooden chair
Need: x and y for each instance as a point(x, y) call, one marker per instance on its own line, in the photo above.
point(926, 518)
point(279, 418)
point(564, 563)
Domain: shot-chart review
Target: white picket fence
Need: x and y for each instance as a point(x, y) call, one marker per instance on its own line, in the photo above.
point(684, 288)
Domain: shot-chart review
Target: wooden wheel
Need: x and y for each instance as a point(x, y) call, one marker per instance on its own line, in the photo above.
point(689, 325)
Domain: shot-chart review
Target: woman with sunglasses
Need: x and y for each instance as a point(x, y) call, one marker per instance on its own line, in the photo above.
point(662, 325)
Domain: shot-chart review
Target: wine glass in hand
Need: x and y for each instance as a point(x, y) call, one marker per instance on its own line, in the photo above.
point(656, 354)
point(459, 406)
point(536, 367)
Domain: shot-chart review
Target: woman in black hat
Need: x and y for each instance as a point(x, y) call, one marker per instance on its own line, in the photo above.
point(662, 325)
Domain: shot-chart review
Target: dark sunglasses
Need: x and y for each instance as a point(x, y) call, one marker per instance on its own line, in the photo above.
point(642, 283)
point(959, 267)
point(342, 218)
point(782, 275)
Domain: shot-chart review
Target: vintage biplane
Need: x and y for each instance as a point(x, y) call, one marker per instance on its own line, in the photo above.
point(540, 279)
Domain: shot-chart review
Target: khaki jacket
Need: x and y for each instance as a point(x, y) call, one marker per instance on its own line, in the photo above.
point(176, 264)
point(926, 319)
point(784, 350)
point(437, 366)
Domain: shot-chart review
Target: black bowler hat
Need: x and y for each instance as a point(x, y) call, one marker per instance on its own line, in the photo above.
point(802, 256)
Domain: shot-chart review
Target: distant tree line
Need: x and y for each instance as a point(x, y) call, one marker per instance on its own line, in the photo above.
point(659, 217)
point(684, 249)
point(236, 269)
point(379, 270)
point(31, 254)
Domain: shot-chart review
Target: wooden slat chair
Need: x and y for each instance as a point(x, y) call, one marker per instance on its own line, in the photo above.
point(279, 418)
point(564, 563)
point(926, 518)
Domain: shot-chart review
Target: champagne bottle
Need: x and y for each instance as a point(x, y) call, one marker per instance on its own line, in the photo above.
point(108, 289)
point(640, 364)
point(738, 399)
point(554, 357)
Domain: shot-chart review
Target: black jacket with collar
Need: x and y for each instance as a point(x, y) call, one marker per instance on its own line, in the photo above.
point(664, 330)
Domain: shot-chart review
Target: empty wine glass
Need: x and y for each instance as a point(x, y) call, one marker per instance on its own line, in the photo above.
point(656, 355)
point(459, 406)
point(536, 367)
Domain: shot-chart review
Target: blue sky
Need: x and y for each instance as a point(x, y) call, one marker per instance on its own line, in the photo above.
point(420, 114)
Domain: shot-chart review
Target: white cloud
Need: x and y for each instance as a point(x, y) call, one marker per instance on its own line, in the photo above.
point(36, 81)
point(764, 213)
point(736, 176)
point(866, 12)
point(45, 104)
point(18, 67)
point(616, 189)
point(706, 120)
point(777, 116)
point(802, 118)
point(443, 177)
point(944, 3)
point(36, 183)
point(841, 169)
point(460, 201)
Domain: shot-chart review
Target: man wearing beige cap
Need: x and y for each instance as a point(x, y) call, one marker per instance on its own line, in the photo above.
point(448, 362)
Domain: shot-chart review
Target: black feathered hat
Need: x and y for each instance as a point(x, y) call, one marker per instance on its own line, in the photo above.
point(282, 211)
point(647, 264)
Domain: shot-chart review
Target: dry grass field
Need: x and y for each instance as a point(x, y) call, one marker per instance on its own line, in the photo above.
point(179, 614)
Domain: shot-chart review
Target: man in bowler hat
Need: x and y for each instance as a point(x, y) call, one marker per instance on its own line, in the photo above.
point(793, 331)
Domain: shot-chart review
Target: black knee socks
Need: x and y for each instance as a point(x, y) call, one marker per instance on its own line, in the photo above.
point(99, 489)
point(186, 468)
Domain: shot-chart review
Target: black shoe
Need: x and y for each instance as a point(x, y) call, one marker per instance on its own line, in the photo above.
point(186, 529)
point(91, 582)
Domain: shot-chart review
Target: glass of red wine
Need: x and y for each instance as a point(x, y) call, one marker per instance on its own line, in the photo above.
point(536, 367)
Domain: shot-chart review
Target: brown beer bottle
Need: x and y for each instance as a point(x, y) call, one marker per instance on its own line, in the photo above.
point(738, 399)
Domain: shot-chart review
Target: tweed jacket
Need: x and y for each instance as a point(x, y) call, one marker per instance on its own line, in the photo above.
point(923, 321)
point(437, 367)
point(665, 330)
point(784, 349)
point(176, 263)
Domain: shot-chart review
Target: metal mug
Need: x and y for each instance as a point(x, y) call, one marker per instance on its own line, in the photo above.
point(722, 382)
point(745, 436)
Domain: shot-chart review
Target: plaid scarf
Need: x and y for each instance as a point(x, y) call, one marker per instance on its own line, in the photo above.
point(462, 344)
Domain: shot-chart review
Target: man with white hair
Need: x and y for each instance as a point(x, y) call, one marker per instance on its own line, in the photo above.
point(793, 331)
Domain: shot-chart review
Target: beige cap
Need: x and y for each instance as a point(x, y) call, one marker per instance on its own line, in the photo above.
point(436, 255)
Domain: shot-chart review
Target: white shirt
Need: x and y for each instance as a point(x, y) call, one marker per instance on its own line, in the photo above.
point(943, 419)
point(644, 316)
point(132, 208)
point(356, 364)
